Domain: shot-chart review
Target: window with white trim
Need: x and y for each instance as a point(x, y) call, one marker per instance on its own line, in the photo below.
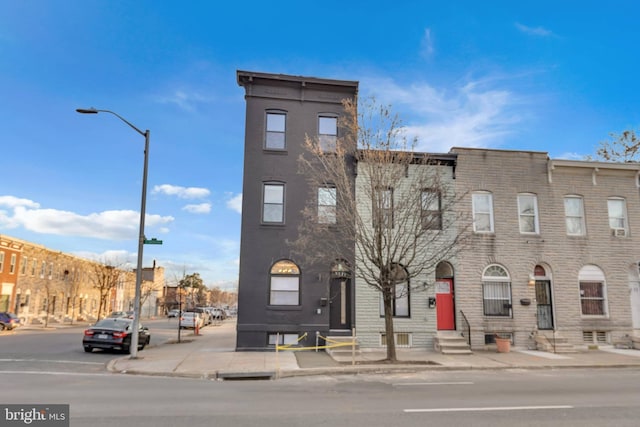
point(273, 203)
point(593, 291)
point(284, 288)
point(1, 261)
point(283, 339)
point(12, 264)
point(528, 213)
point(617, 208)
point(431, 209)
point(275, 131)
point(327, 205)
point(400, 298)
point(382, 208)
point(327, 133)
point(496, 291)
point(574, 216)
point(23, 265)
point(482, 203)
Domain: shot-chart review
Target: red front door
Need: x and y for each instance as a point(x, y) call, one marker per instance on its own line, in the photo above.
point(445, 310)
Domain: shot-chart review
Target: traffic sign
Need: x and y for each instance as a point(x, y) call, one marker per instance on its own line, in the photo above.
point(153, 241)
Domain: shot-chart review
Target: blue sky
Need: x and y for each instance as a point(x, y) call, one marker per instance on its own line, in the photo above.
point(544, 76)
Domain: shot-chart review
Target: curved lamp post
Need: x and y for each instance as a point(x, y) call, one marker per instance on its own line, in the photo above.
point(136, 308)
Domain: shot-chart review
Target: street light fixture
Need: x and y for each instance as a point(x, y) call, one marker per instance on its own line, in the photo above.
point(141, 238)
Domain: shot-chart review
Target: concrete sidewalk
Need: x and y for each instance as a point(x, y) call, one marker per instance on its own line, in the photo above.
point(203, 356)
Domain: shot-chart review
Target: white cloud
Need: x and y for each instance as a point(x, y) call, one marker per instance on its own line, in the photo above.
point(235, 202)
point(181, 192)
point(426, 44)
point(109, 225)
point(202, 208)
point(534, 31)
point(13, 202)
point(472, 115)
point(185, 99)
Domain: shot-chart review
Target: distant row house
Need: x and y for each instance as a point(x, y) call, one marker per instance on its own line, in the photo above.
point(42, 286)
point(551, 255)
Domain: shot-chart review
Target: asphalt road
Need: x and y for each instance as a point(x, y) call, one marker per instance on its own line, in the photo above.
point(606, 397)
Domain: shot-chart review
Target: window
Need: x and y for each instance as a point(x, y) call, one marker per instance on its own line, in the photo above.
point(275, 135)
point(273, 207)
point(617, 216)
point(431, 214)
point(383, 208)
point(34, 265)
point(327, 133)
point(400, 303)
point(43, 269)
point(496, 291)
point(327, 205)
point(23, 265)
point(574, 215)
point(1, 262)
point(283, 339)
point(592, 291)
point(528, 213)
point(12, 265)
point(285, 283)
point(482, 212)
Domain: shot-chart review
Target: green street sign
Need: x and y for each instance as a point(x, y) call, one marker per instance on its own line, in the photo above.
point(153, 241)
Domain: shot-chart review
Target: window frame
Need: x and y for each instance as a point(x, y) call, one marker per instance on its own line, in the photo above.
point(400, 303)
point(579, 216)
point(293, 273)
point(624, 218)
point(475, 212)
point(382, 208)
point(280, 133)
point(504, 281)
point(522, 215)
point(1, 261)
point(266, 203)
point(431, 219)
point(12, 263)
point(593, 275)
point(327, 141)
point(330, 217)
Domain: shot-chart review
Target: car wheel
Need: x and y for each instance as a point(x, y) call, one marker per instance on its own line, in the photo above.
point(88, 349)
point(1, 326)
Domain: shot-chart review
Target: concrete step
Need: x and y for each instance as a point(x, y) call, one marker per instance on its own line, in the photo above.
point(451, 342)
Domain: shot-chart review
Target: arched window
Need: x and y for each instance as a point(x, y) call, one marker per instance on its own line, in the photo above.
point(496, 291)
point(284, 283)
point(593, 292)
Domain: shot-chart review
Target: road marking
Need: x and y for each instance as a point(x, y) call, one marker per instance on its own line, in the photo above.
point(496, 408)
point(439, 383)
point(52, 361)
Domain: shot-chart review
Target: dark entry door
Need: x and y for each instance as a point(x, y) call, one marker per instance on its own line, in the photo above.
point(543, 301)
point(340, 304)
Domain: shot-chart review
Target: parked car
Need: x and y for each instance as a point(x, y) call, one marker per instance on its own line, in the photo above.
point(190, 319)
point(8, 321)
point(173, 313)
point(114, 333)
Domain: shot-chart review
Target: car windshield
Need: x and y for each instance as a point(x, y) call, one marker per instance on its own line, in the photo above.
point(113, 323)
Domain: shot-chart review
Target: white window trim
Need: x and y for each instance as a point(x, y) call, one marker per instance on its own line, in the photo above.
point(583, 224)
point(591, 273)
point(625, 218)
point(536, 223)
point(490, 213)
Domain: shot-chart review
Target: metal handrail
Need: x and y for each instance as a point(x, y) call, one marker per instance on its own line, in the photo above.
point(466, 331)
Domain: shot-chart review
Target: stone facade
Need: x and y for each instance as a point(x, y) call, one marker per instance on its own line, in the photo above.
point(561, 255)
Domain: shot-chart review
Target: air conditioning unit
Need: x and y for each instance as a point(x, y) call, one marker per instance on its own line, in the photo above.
point(618, 232)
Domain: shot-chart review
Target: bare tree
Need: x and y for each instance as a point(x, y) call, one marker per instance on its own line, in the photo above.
point(388, 210)
point(105, 279)
point(624, 147)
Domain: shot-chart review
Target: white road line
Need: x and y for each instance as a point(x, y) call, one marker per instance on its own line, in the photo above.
point(441, 383)
point(53, 361)
point(496, 408)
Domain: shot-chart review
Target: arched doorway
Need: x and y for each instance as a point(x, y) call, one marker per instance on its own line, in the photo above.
point(445, 298)
point(340, 296)
point(544, 303)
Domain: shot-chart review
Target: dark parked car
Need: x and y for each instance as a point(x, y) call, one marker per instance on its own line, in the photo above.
point(113, 333)
point(8, 321)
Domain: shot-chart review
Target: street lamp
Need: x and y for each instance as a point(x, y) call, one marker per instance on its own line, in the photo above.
point(136, 309)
